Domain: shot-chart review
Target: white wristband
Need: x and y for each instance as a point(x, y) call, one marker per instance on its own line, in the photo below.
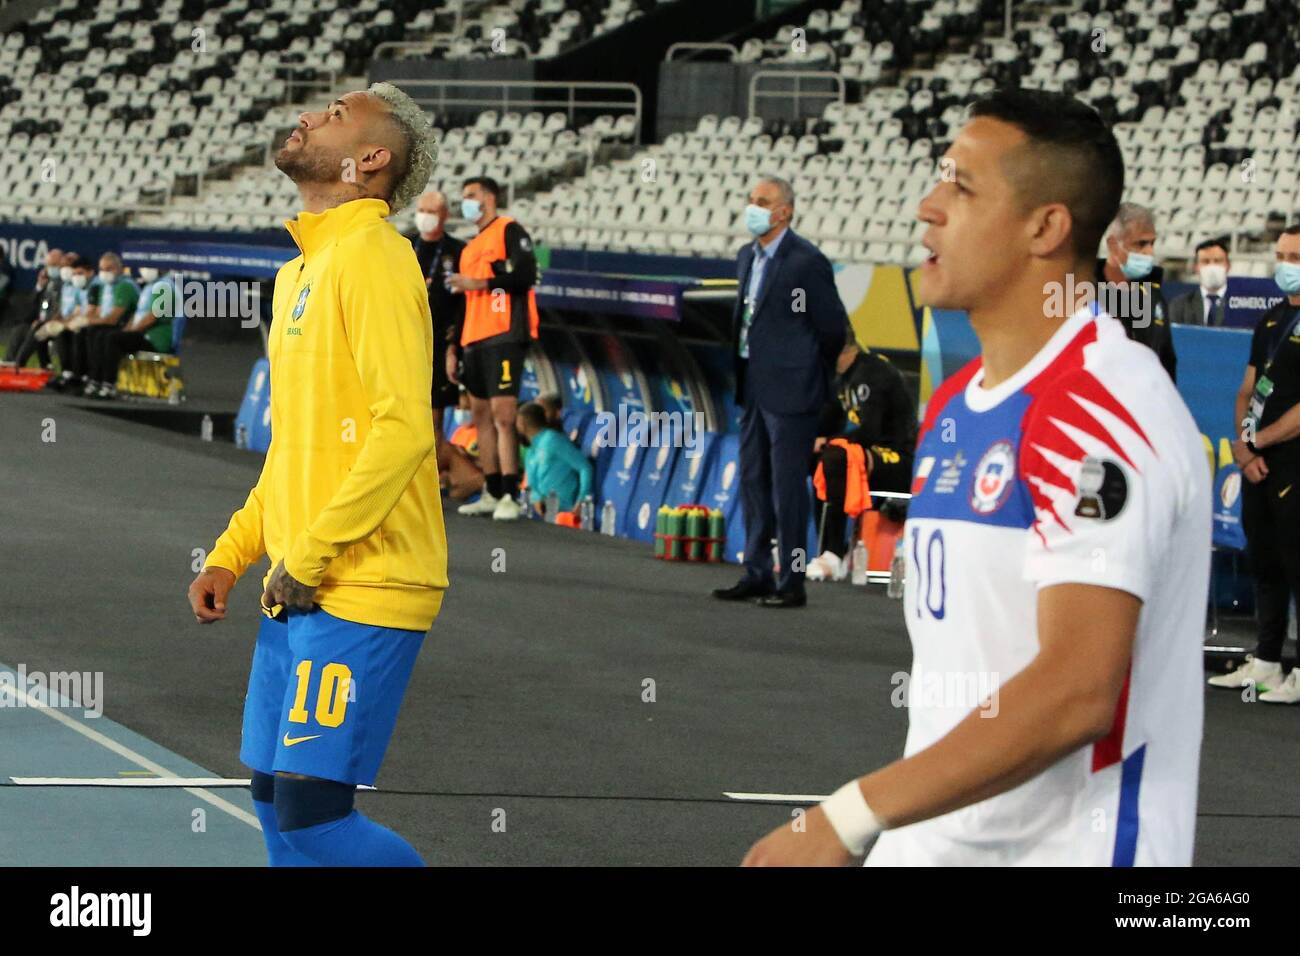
point(851, 818)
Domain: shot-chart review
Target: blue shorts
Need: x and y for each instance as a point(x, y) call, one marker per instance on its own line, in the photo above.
point(323, 695)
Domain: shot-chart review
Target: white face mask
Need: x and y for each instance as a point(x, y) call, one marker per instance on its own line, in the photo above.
point(148, 274)
point(79, 281)
point(65, 273)
point(106, 277)
point(1213, 277)
point(426, 221)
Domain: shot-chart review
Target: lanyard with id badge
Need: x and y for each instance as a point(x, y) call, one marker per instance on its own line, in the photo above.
point(1264, 384)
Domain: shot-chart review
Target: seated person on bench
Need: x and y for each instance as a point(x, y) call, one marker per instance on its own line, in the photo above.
point(109, 300)
point(875, 415)
point(458, 469)
point(150, 330)
point(552, 463)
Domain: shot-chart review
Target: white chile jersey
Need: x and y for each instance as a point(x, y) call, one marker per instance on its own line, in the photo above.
point(1086, 467)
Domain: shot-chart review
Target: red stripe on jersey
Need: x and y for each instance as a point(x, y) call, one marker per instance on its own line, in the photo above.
point(944, 393)
point(1054, 392)
point(1065, 374)
point(1110, 749)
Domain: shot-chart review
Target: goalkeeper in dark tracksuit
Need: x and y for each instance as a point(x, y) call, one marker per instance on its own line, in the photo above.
point(874, 410)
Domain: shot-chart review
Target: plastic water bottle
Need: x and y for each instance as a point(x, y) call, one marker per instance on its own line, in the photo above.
point(897, 571)
point(587, 513)
point(552, 507)
point(205, 428)
point(607, 518)
point(858, 571)
point(241, 436)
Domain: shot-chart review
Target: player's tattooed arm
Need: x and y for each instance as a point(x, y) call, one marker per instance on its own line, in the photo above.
point(284, 588)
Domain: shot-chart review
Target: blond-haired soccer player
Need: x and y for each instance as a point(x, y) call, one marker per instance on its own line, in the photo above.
point(1057, 542)
point(347, 506)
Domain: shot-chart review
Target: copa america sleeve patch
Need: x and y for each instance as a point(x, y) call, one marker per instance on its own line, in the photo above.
point(1103, 489)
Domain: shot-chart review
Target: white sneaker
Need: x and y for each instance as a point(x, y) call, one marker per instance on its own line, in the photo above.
point(1263, 674)
point(1287, 692)
point(507, 509)
point(485, 505)
point(829, 567)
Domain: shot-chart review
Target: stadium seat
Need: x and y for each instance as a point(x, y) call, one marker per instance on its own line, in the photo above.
point(691, 472)
point(619, 482)
point(905, 114)
point(722, 491)
point(257, 398)
point(651, 488)
point(574, 423)
point(594, 447)
point(576, 391)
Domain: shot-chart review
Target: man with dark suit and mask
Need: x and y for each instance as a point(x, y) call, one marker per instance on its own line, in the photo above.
point(1205, 305)
point(788, 327)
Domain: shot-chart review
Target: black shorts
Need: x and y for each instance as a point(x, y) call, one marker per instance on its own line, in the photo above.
point(891, 468)
point(446, 393)
point(493, 370)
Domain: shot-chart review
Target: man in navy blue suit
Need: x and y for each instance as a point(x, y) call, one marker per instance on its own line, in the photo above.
point(787, 329)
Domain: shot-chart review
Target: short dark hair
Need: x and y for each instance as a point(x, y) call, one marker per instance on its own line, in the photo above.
point(1219, 242)
point(1072, 157)
point(533, 414)
point(487, 182)
point(551, 400)
point(1292, 230)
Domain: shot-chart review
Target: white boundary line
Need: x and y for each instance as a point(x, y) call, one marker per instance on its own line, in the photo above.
point(155, 782)
point(139, 760)
point(800, 798)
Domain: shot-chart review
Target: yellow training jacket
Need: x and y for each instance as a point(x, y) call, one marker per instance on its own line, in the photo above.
point(348, 495)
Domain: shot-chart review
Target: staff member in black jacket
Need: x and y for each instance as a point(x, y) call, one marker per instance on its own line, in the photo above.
point(45, 306)
point(1130, 260)
point(439, 255)
point(872, 402)
point(787, 329)
point(1268, 451)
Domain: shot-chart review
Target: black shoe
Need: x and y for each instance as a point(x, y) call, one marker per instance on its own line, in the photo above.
point(787, 599)
point(742, 591)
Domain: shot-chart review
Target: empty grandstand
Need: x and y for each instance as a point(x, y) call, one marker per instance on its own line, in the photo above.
point(163, 116)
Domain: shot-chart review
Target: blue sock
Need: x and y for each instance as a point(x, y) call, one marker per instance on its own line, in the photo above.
point(353, 840)
point(278, 852)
